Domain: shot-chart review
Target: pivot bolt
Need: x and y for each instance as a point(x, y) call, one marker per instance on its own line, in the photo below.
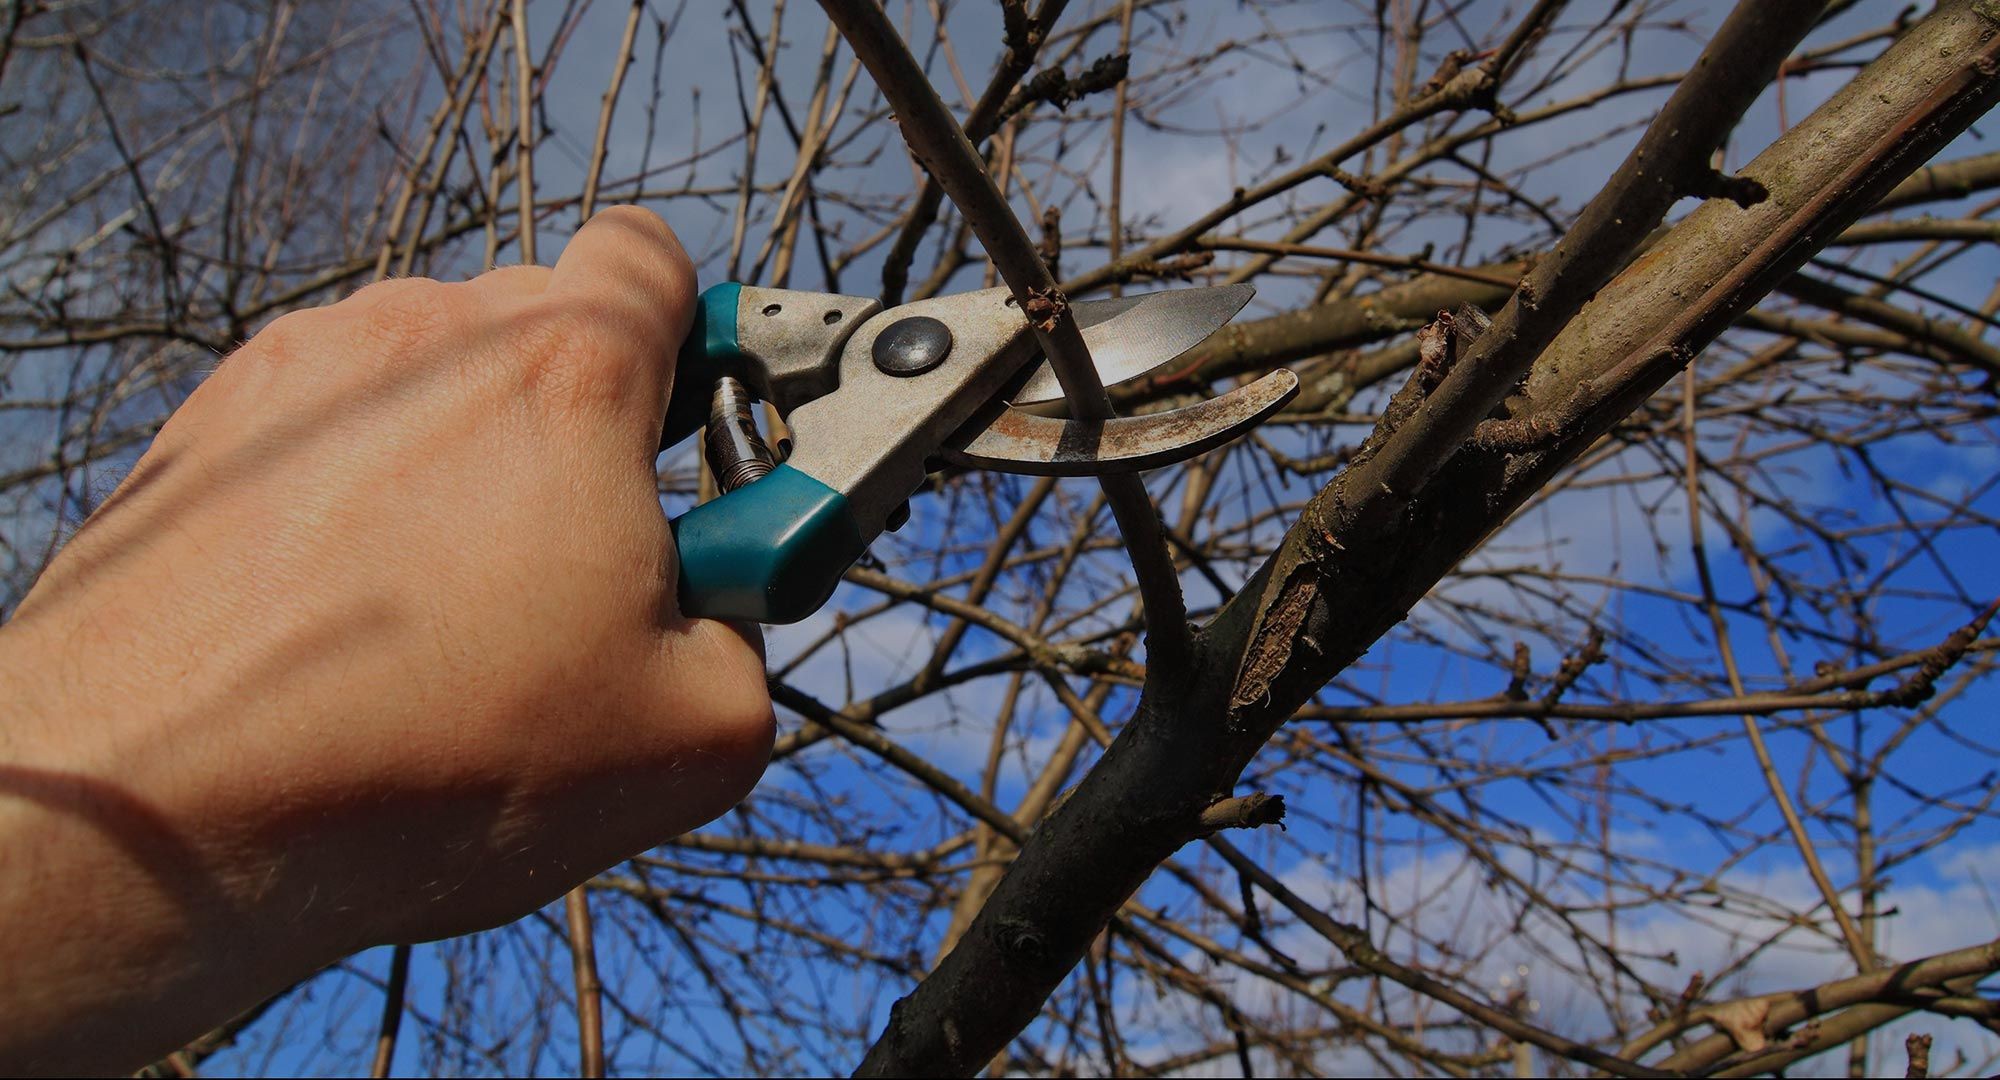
point(912, 346)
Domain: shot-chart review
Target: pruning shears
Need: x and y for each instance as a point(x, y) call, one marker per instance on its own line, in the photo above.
point(875, 399)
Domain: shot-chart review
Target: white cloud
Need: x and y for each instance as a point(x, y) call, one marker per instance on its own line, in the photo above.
point(1446, 897)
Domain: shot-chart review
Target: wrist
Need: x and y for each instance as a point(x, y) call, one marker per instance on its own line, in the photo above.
point(129, 900)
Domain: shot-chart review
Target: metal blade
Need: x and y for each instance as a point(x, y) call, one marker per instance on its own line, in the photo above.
point(1134, 336)
point(1007, 439)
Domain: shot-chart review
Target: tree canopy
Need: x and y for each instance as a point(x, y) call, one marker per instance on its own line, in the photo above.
point(1590, 670)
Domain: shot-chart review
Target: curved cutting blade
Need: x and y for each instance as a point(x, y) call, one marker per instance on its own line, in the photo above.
point(1133, 336)
point(1007, 439)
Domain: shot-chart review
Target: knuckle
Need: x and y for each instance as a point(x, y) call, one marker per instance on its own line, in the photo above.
point(377, 328)
point(539, 340)
point(282, 342)
point(568, 353)
point(408, 313)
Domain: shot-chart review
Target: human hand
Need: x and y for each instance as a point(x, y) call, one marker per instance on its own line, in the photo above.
point(378, 642)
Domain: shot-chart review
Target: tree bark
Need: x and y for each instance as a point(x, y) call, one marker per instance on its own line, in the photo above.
point(1353, 566)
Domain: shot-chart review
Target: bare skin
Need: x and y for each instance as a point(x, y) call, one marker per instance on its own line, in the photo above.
point(377, 643)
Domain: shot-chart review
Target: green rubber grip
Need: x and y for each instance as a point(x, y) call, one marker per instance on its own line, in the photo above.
point(770, 551)
point(710, 352)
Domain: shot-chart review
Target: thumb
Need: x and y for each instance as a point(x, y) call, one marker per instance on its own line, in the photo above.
point(626, 267)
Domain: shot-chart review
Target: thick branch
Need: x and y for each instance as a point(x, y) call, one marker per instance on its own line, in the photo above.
point(1795, 1006)
point(1671, 160)
point(1337, 583)
point(1951, 180)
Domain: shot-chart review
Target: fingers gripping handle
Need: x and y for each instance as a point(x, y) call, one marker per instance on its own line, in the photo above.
point(770, 552)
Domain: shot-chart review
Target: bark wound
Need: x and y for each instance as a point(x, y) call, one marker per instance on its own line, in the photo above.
point(954, 1044)
point(1302, 574)
point(1024, 940)
point(1743, 1021)
point(1437, 352)
point(1271, 649)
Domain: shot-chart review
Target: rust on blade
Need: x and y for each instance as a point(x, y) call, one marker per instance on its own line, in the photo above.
point(1007, 439)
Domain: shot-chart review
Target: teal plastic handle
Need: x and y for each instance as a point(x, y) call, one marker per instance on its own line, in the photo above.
point(770, 551)
point(710, 352)
point(773, 550)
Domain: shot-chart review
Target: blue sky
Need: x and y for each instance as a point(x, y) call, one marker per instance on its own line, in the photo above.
point(1175, 171)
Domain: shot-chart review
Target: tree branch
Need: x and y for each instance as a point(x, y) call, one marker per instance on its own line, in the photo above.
point(1336, 584)
point(1025, 35)
point(949, 156)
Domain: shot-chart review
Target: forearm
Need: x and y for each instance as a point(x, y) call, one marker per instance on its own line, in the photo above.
point(126, 927)
point(377, 643)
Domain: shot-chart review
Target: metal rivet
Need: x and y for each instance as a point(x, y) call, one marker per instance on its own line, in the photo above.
point(912, 346)
point(832, 317)
point(772, 309)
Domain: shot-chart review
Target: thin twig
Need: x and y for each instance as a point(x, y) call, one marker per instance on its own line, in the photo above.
point(392, 1011)
point(589, 992)
point(1857, 947)
point(949, 156)
point(1114, 236)
point(600, 145)
point(524, 146)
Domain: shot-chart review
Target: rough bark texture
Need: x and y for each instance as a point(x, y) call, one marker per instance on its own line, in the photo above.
point(1340, 580)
